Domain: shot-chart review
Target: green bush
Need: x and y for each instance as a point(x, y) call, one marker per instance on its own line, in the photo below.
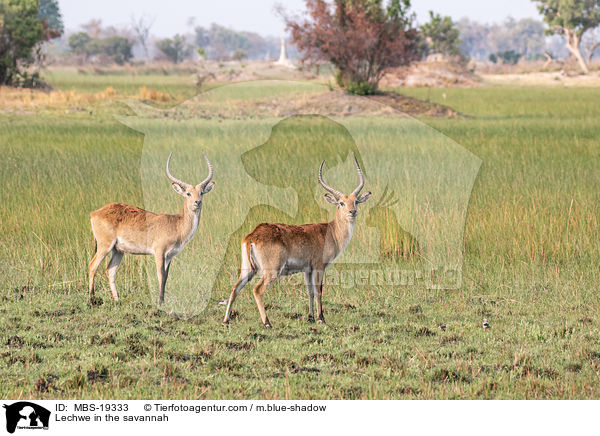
point(115, 48)
point(357, 87)
point(20, 31)
point(175, 49)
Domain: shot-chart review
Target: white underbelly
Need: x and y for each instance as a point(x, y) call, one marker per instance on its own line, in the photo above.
point(132, 247)
point(293, 266)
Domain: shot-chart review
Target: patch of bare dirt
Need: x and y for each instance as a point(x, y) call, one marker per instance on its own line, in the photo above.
point(432, 74)
point(241, 71)
point(414, 107)
point(334, 103)
point(551, 79)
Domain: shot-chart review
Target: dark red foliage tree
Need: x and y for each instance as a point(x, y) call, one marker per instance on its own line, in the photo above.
point(361, 38)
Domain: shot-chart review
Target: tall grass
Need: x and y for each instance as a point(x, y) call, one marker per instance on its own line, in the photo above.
point(531, 268)
point(70, 79)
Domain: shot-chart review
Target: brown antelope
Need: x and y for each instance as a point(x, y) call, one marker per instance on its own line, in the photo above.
point(281, 249)
point(119, 228)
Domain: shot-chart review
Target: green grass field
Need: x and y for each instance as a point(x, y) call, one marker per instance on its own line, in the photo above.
point(68, 79)
point(531, 247)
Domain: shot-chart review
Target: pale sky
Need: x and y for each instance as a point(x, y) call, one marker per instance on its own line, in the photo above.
point(172, 16)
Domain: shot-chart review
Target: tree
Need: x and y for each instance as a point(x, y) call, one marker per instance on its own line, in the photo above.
point(473, 38)
point(239, 55)
point(79, 43)
point(114, 48)
point(51, 17)
point(93, 27)
point(258, 46)
point(20, 32)
point(527, 37)
point(572, 18)
point(175, 49)
point(361, 38)
point(524, 37)
point(508, 57)
point(441, 35)
point(556, 47)
point(591, 42)
point(141, 27)
point(221, 42)
point(202, 38)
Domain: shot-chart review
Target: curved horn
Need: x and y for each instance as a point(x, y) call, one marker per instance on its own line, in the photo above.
point(338, 194)
point(173, 179)
point(210, 172)
point(360, 175)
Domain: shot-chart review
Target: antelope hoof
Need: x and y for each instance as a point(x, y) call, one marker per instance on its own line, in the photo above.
point(95, 301)
point(226, 323)
point(268, 325)
point(311, 319)
point(321, 320)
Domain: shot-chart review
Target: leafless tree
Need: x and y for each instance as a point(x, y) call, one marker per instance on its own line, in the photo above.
point(141, 27)
point(590, 43)
point(93, 27)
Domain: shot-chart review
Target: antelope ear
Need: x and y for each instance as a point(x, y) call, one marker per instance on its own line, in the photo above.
point(331, 199)
point(177, 188)
point(208, 188)
point(363, 197)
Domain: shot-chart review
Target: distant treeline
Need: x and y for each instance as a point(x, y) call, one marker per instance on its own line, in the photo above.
point(505, 42)
point(96, 43)
point(219, 42)
point(524, 37)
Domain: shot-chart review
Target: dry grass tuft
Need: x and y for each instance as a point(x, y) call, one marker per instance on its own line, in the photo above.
point(18, 98)
point(153, 94)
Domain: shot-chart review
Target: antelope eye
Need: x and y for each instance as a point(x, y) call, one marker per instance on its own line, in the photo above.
point(189, 194)
point(342, 203)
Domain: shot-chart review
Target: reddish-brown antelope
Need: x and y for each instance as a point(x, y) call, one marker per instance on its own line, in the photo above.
point(281, 249)
point(119, 228)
